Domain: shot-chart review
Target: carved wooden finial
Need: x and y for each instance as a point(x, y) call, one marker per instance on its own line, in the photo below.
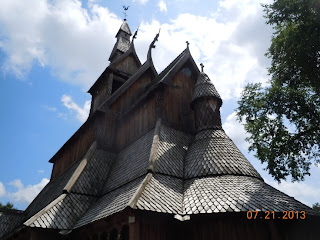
point(202, 66)
point(125, 8)
point(187, 42)
point(135, 33)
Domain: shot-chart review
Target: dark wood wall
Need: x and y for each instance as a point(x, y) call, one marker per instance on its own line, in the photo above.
point(177, 98)
point(73, 151)
point(128, 65)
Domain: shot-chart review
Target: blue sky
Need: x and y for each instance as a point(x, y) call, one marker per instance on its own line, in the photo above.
point(52, 51)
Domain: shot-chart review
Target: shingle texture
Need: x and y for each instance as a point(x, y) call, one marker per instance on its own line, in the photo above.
point(162, 194)
point(215, 195)
point(173, 145)
point(9, 220)
point(51, 191)
point(95, 173)
point(213, 153)
point(65, 213)
point(234, 194)
point(131, 163)
point(123, 44)
point(125, 27)
point(110, 203)
point(204, 88)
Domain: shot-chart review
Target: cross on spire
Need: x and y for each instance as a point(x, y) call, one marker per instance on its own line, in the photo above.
point(202, 66)
point(187, 42)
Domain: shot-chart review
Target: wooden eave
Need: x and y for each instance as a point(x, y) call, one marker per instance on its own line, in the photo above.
point(77, 134)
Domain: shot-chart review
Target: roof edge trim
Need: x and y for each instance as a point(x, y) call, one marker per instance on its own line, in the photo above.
point(134, 199)
point(44, 210)
point(81, 166)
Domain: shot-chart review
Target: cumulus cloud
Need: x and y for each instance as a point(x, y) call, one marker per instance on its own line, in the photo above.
point(68, 39)
point(81, 112)
point(25, 194)
point(300, 191)
point(232, 50)
point(162, 6)
point(2, 189)
point(236, 131)
point(63, 36)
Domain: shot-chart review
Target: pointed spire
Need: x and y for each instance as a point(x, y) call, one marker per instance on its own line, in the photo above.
point(123, 41)
point(152, 45)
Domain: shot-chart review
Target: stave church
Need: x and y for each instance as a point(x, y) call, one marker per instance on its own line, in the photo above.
point(152, 161)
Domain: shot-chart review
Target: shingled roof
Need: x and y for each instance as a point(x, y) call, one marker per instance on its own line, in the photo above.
point(165, 170)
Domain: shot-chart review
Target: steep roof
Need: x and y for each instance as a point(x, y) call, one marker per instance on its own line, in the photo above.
point(158, 172)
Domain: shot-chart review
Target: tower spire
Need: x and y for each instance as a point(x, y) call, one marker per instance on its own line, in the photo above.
point(123, 41)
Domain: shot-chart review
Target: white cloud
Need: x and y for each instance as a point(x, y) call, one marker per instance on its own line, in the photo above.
point(2, 189)
point(300, 191)
point(82, 112)
point(74, 42)
point(232, 49)
point(63, 36)
point(25, 194)
point(162, 6)
point(141, 1)
point(236, 131)
point(50, 109)
point(40, 171)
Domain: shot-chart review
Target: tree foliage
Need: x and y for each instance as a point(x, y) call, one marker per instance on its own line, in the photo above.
point(9, 205)
point(283, 117)
point(316, 206)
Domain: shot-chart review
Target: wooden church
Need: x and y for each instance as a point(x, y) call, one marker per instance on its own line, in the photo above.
point(153, 162)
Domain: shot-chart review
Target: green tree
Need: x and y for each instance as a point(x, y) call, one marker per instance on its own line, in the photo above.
point(9, 205)
point(316, 206)
point(283, 117)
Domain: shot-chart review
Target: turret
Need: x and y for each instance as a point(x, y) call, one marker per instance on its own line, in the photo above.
point(206, 103)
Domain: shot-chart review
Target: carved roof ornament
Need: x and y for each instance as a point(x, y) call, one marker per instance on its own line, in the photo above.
point(187, 42)
point(125, 8)
point(135, 34)
point(152, 45)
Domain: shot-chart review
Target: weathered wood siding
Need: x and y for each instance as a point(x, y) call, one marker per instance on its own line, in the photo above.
point(74, 151)
point(104, 130)
point(128, 98)
point(136, 123)
point(177, 99)
point(128, 65)
point(101, 95)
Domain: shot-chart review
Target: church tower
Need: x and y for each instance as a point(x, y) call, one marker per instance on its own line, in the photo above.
point(152, 161)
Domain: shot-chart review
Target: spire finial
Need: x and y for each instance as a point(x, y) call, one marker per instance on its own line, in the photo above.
point(202, 66)
point(187, 42)
point(125, 8)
